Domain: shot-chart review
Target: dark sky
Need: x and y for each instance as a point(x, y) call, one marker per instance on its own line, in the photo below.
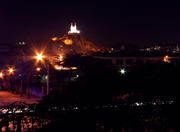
point(106, 23)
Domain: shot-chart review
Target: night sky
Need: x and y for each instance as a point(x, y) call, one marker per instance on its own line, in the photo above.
point(106, 23)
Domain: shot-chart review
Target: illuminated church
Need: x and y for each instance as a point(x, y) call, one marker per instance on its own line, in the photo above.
point(73, 29)
point(73, 42)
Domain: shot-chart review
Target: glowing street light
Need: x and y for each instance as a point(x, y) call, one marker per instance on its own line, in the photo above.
point(38, 69)
point(54, 39)
point(11, 70)
point(122, 71)
point(1, 75)
point(58, 67)
point(68, 41)
point(39, 57)
point(61, 57)
point(166, 59)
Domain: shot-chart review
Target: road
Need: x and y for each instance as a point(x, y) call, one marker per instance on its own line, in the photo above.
point(8, 98)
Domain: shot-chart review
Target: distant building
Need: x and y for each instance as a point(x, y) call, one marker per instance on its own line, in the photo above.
point(73, 42)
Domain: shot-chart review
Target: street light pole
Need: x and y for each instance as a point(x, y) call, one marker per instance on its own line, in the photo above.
point(39, 57)
point(47, 78)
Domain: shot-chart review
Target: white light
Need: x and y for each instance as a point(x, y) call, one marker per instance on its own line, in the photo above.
point(122, 71)
point(39, 57)
point(73, 29)
point(75, 108)
point(139, 104)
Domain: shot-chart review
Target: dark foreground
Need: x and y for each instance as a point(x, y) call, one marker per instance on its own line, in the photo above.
point(163, 118)
point(158, 116)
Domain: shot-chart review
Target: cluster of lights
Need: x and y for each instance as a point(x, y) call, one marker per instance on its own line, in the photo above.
point(10, 72)
point(60, 67)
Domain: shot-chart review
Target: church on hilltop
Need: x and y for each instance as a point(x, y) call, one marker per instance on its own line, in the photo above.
point(73, 43)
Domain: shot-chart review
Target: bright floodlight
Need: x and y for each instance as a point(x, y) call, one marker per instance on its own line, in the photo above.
point(73, 29)
point(39, 57)
point(122, 71)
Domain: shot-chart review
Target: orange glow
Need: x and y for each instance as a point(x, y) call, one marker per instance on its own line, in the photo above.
point(68, 41)
point(1, 75)
point(73, 68)
point(57, 67)
point(66, 68)
point(54, 39)
point(166, 59)
point(60, 67)
point(38, 69)
point(11, 70)
point(39, 57)
point(61, 57)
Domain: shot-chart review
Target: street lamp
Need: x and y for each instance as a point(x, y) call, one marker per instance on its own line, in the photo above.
point(166, 59)
point(11, 70)
point(122, 71)
point(40, 57)
point(1, 75)
point(38, 69)
point(61, 57)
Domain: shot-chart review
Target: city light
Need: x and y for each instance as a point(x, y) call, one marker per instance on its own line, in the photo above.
point(39, 57)
point(1, 75)
point(38, 69)
point(73, 29)
point(61, 57)
point(11, 70)
point(58, 67)
point(68, 41)
point(54, 39)
point(122, 71)
point(73, 68)
point(166, 59)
